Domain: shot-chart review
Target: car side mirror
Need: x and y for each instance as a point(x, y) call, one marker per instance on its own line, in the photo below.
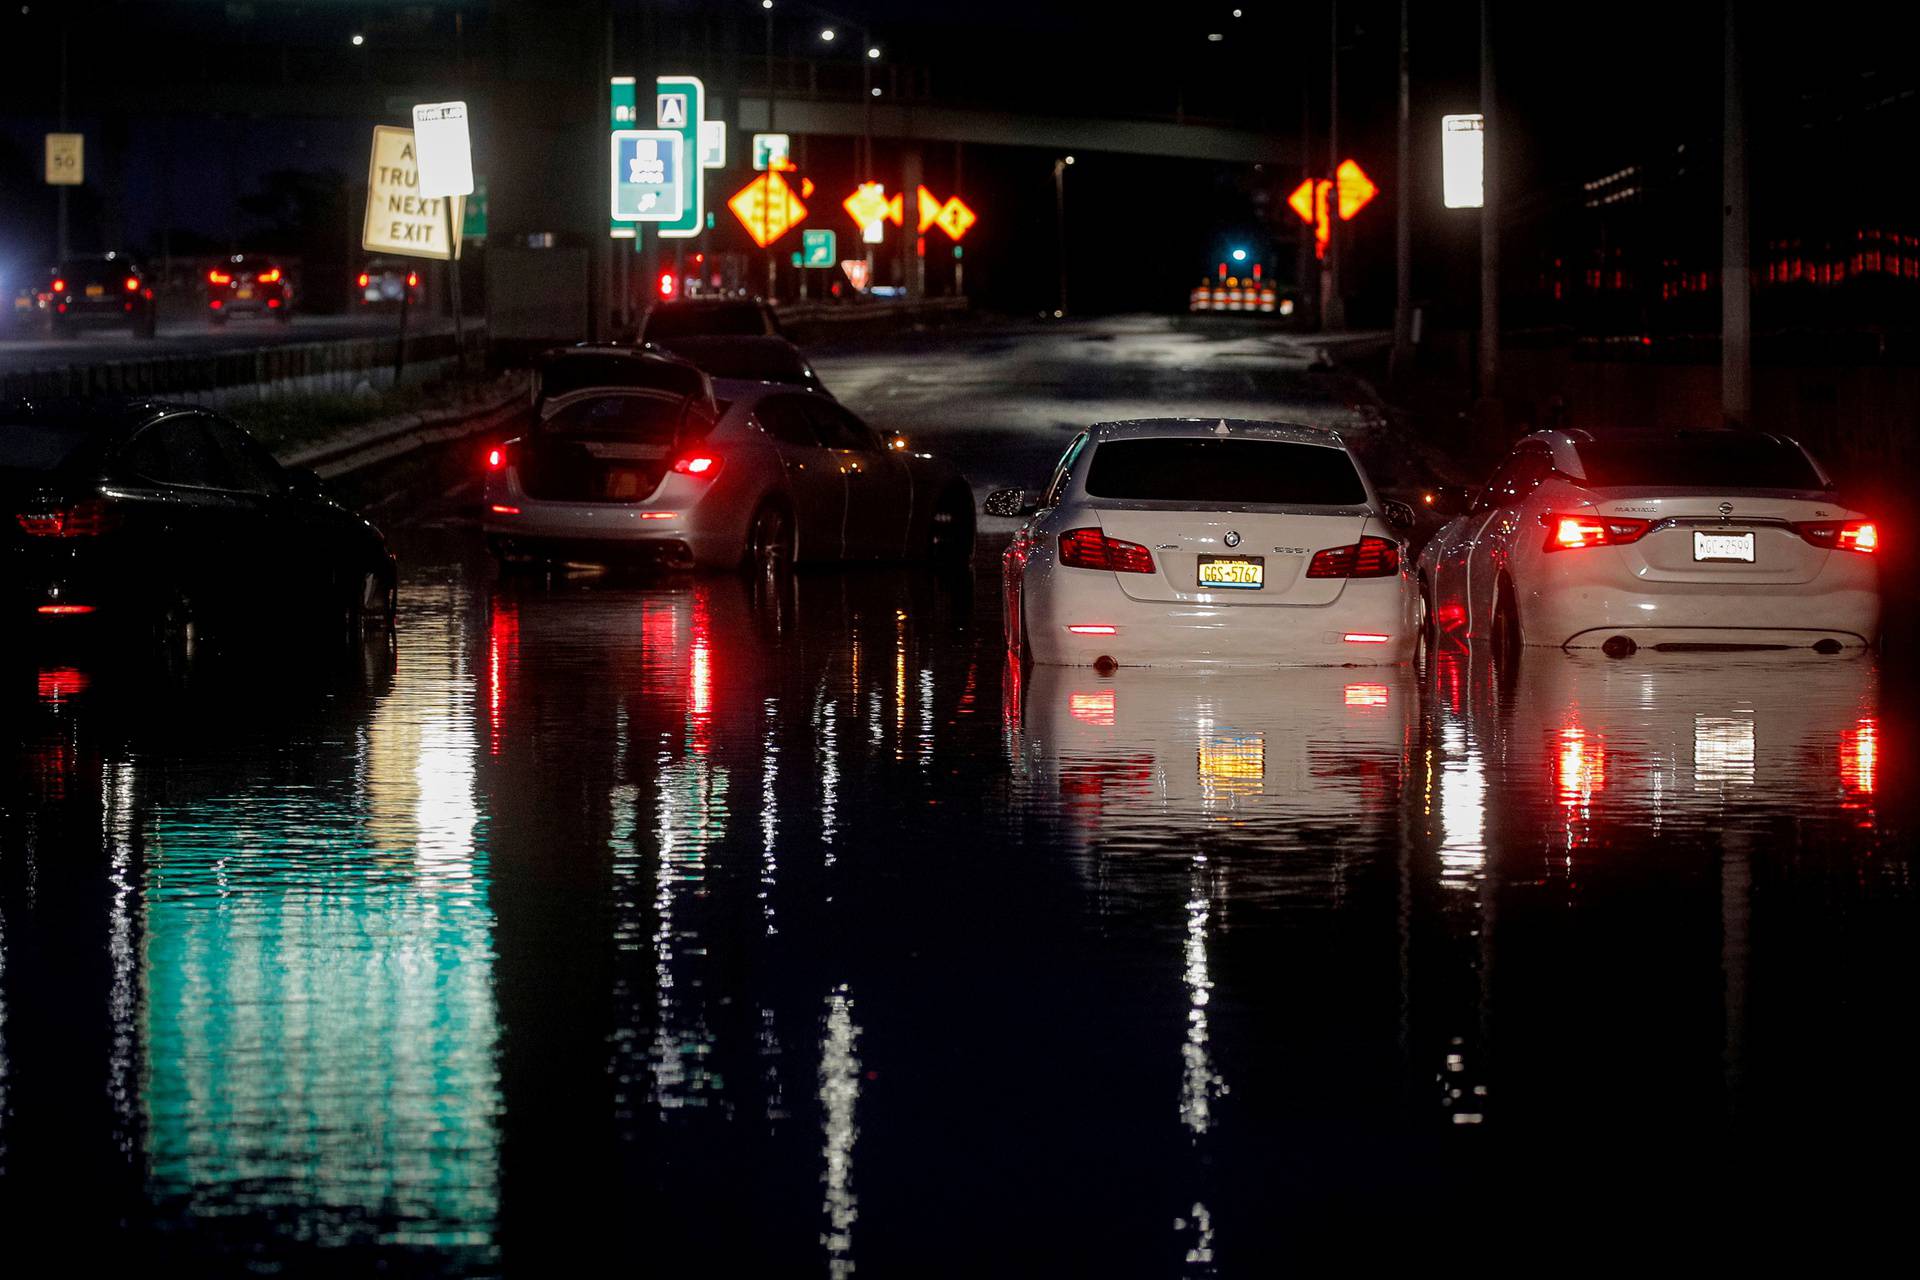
point(1014, 504)
point(1398, 515)
point(1448, 500)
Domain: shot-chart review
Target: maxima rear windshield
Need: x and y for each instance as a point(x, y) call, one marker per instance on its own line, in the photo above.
point(1718, 461)
point(629, 417)
point(1191, 470)
point(39, 446)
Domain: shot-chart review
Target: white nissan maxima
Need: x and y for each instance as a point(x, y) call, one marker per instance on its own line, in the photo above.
point(1673, 540)
point(1172, 541)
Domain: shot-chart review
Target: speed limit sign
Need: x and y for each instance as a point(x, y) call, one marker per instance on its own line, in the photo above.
point(65, 159)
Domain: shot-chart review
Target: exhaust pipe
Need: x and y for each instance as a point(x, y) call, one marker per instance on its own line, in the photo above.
point(1619, 647)
point(1827, 646)
point(1105, 665)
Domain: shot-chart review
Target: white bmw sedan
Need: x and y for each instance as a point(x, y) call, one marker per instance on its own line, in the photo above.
point(756, 473)
point(1670, 539)
point(1173, 541)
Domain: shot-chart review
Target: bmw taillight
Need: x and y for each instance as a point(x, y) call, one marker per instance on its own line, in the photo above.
point(1092, 549)
point(1861, 536)
point(1567, 532)
point(87, 519)
point(1368, 558)
point(697, 464)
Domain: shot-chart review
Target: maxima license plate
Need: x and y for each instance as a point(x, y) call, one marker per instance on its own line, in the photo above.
point(1723, 546)
point(1239, 573)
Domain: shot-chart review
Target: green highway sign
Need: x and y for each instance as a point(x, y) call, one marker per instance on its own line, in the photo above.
point(819, 249)
point(473, 225)
point(796, 259)
point(680, 106)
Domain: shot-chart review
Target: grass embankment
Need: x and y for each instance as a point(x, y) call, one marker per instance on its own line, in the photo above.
point(298, 421)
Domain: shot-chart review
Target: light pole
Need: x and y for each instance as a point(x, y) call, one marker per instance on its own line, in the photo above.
point(1060, 227)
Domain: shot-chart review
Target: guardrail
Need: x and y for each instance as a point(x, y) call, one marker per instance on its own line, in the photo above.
point(253, 373)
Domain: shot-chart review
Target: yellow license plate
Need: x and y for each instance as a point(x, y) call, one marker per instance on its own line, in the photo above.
point(1239, 573)
point(96, 291)
point(245, 295)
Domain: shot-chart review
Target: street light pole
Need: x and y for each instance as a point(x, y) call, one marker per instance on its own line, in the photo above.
point(61, 191)
point(768, 182)
point(1403, 224)
point(1334, 313)
point(1060, 226)
point(1489, 227)
point(1736, 281)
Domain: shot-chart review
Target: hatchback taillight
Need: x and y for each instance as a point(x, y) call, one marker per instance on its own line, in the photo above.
point(1862, 536)
point(1572, 532)
point(87, 519)
point(703, 465)
point(1368, 558)
point(1092, 549)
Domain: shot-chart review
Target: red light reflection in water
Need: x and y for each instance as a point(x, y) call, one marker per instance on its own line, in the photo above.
point(700, 676)
point(1092, 708)
point(1450, 678)
point(1366, 695)
point(1580, 768)
point(503, 650)
point(59, 683)
point(1860, 756)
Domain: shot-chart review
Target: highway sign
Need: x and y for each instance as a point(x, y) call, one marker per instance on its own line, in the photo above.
point(399, 219)
point(474, 225)
point(1462, 160)
point(956, 219)
point(680, 106)
point(819, 248)
point(856, 269)
point(767, 207)
point(770, 151)
point(1309, 201)
point(713, 144)
point(66, 159)
point(796, 258)
point(649, 175)
point(869, 206)
point(444, 150)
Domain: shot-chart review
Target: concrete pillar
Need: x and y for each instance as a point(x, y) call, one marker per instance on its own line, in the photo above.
point(912, 174)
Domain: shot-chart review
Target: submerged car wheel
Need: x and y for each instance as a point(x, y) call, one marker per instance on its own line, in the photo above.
point(1507, 639)
point(950, 532)
point(769, 550)
point(374, 606)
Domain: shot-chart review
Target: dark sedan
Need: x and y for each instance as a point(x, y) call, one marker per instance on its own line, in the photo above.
point(163, 518)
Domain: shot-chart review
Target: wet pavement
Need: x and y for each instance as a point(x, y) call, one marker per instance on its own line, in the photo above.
point(697, 927)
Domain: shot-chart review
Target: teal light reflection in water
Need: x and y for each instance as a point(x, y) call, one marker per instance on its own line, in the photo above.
point(320, 1026)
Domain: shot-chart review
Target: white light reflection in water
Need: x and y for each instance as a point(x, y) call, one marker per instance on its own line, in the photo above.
point(827, 727)
point(769, 817)
point(1199, 1084)
point(1463, 808)
point(925, 752)
point(1722, 752)
point(1200, 1253)
point(693, 814)
point(122, 1002)
point(839, 1098)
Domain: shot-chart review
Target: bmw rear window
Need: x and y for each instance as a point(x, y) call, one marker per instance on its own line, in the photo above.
point(1185, 469)
point(1720, 460)
point(40, 446)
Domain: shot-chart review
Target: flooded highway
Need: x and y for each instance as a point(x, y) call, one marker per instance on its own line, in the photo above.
point(699, 925)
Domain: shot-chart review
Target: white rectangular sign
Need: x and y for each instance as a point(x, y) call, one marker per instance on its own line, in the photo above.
point(1463, 160)
point(445, 152)
point(713, 144)
point(66, 159)
point(399, 219)
point(770, 150)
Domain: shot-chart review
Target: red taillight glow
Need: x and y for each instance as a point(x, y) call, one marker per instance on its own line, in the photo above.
point(413, 279)
point(1094, 629)
point(83, 520)
point(365, 279)
point(272, 303)
point(1572, 532)
point(62, 682)
point(133, 284)
point(501, 509)
point(697, 464)
point(219, 277)
point(215, 304)
point(1368, 558)
point(1365, 637)
point(64, 610)
point(269, 276)
point(496, 459)
point(666, 284)
point(1861, 536)
point(1092, 549)
point(59, 285)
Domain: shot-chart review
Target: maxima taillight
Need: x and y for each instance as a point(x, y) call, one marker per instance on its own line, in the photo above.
point(1570, 532)
point(1862, 536)
point(82, 520)
point(1368, 558)
point(1092, 549)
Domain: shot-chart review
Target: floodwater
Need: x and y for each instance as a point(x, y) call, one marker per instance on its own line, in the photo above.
point(691, 928)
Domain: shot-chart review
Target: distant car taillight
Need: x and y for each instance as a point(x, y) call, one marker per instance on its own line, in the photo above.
point(697, 464)
point(413, 279)
point(1861, 536)
point(1572, 532)
point(133, 284)
point(59, 285)
point(1092, 549)
point(217, 276)
point(269, 276)
point(87, 519)
point(365, 279)
point(1368, 558)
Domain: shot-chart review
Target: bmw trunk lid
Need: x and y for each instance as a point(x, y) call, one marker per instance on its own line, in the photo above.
point(1281, 541)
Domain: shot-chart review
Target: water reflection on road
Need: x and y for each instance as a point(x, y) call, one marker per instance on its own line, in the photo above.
point(782, 928)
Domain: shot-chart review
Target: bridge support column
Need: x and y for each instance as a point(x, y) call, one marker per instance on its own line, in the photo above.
point(913, 271)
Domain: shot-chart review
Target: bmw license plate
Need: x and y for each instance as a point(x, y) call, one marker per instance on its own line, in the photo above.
point(1725, 547)
point(1238, 573)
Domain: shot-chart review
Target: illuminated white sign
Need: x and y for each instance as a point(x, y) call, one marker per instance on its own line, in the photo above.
point(1463, 160)
point(444, 152)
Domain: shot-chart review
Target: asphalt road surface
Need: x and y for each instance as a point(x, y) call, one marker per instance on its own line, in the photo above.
point(608, 925)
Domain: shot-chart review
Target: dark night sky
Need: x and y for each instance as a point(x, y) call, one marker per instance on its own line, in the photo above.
point(1585, 89)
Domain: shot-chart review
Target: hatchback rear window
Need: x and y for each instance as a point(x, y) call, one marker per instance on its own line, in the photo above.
point(1706, 461)
point(655, 419)
point(1183, 469)
point(39, 446)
